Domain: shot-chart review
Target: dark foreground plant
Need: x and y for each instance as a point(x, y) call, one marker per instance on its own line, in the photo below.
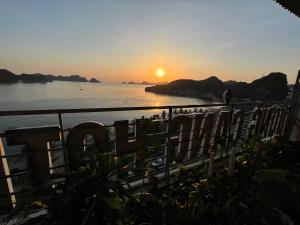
point(265, 190)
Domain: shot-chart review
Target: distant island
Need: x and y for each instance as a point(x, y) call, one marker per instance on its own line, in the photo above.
point(273, 87)
point(7, 76)
point(144, 83)
point(94, 80)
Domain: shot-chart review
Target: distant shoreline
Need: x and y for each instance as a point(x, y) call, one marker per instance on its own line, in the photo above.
point(67, 81)
point(144, 83)
point(7, 77)
point(186, 94)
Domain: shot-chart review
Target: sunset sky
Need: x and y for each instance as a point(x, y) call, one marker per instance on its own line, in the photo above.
point(122, 40)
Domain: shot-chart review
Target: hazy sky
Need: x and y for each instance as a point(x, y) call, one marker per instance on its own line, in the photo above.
point(130, 39)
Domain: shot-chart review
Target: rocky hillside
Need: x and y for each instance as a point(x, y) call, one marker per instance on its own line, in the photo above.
point(270, 87)
point(8, 77)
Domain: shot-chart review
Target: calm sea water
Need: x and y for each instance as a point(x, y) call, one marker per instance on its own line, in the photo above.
point(59, 94)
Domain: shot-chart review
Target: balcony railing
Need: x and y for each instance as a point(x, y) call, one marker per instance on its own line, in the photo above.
point(186, 135)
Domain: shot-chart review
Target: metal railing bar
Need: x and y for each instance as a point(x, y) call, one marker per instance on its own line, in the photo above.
point(55, 149)
point(31, 189)
point(106, 126)
point(156, 134)
point(30, 152)
point(14, 175)
point(26, 172)
point(29, 171)
point(20, 154)
point(118, 109)
point(154, 158)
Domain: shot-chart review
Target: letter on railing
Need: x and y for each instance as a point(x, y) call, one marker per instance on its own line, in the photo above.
point(75, 141)
point(282, 120)
point(137, 145)
point(273, 120)
point(182, 125)
point(254, 122)
point(221, 127)
point(36, 144)
point(202, 133)
point(276, 120)
point(237, 122)
point(266, 120)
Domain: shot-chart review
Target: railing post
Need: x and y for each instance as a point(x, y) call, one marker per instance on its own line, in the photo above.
point(232, 161)
point(229, 129)
point(167, 166)
point(292, 114)
point(62, 137)
point(210, 172)
point(5, 183)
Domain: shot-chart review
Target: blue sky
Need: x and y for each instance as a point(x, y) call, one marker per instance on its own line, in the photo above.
point(129, 39)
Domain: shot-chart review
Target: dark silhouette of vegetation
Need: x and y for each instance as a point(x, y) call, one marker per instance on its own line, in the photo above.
point(270, 87)
point(9, 77)
point(264, 190)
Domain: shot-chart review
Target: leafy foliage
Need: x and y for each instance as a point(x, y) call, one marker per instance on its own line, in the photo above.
point(265, 190)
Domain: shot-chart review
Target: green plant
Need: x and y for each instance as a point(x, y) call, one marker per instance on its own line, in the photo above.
point(264, 190)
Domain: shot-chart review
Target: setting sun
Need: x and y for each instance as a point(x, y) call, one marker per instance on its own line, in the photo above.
point(160, 72)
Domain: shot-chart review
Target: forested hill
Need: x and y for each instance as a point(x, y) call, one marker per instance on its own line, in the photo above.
point(8, 77)
point(270, 87)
